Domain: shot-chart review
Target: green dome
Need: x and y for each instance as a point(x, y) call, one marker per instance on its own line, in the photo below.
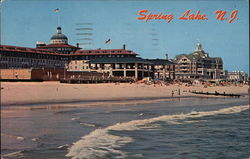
point(59, 35)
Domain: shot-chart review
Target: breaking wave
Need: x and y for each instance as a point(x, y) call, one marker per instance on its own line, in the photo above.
point(15, 154)
point(101, 143)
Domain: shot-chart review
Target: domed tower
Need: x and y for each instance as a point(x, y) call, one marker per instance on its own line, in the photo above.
point(59, 38)
point(59, 44)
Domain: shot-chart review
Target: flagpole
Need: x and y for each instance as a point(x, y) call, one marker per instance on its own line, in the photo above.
point(57, 11)
point(58, 19)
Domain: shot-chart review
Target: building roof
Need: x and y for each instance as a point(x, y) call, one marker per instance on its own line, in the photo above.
point(58, 45)
point(105, 51)
point(26, 50)
point(59, 35)
point(190, 56)
point(161, 62)
point(197, 57)
point(119, 60)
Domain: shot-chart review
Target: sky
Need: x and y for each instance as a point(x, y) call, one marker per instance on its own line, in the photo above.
point(24, 22)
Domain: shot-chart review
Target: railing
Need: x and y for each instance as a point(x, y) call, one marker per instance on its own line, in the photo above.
point(93, 79)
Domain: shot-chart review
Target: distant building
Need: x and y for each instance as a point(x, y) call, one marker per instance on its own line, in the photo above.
point(237, 76)
point(198, 65)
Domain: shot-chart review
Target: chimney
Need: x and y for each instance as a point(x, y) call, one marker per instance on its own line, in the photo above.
point(77, 44)
point(40, 43)
point(124, 47)
point(166, 56)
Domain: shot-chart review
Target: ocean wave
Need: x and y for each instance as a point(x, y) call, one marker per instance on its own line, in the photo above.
point(63, 146)
point(100, 142)
point(12, 154)
point(76, 118)
point(88, 124)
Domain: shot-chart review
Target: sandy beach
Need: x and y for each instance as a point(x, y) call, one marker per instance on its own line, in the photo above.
point(15, 93)
point(53, 120)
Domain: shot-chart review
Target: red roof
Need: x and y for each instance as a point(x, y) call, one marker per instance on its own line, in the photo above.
point(78, 52)
point(26, 49)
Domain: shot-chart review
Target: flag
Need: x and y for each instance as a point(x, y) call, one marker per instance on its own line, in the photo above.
point(107, 42)
point(56, 10)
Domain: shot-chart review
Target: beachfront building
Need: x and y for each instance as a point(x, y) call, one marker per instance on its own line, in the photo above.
point(79, 60)
point(53, 55)
point(14, 57)
point(116, 62)
point(68, 58)
point(60, 55)
point(198, 65)
point(163, 69)
point(122, 63)
point(237, 76)
point(133, 67)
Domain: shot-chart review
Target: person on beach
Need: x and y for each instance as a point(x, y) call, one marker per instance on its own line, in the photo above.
point(172, 93)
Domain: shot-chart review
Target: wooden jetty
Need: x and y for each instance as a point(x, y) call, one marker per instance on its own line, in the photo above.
point(217, 94)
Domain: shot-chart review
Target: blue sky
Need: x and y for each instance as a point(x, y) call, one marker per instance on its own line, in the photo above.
point(26, 21)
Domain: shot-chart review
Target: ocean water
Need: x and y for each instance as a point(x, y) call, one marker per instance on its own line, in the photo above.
point(169, 129)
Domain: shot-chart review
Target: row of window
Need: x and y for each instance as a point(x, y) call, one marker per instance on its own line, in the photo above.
point(12, 59)
point(95, 56)
point(32, 65)
point(33, 56)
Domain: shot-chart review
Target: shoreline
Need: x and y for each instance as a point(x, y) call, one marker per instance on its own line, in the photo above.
point(125, 101)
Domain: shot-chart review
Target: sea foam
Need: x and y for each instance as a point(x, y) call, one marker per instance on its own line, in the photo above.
point(100, 142)
point(18, 154)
